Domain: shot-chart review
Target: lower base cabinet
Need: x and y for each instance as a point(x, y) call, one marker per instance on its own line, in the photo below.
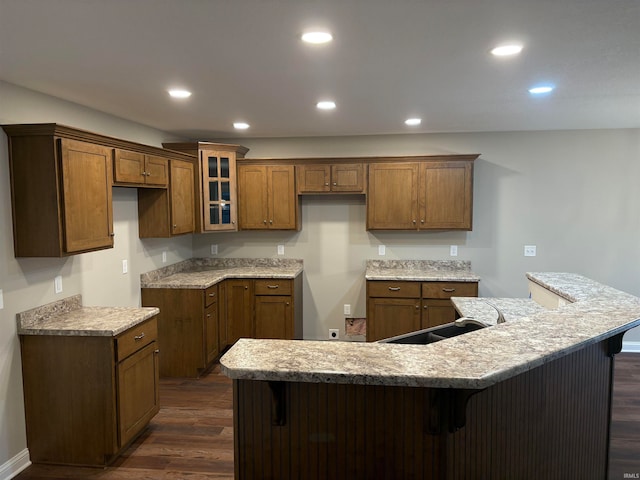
point(86, 398)
point(195, 325)
point(395, 308)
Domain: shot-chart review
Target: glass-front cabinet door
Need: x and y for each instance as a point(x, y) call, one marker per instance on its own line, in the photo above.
point(219, 190)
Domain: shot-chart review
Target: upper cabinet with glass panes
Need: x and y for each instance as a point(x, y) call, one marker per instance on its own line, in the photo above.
point(216, 196)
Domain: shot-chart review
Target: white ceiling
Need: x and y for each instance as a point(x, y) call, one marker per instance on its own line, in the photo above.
point(390, 59)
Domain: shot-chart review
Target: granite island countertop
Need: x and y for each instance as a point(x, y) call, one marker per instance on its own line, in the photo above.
point(420, 270)
point(200, 273)
point(475, 360)
point(68, 317)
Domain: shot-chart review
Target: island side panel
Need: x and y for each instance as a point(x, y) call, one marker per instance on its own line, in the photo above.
point(334, 431)
point(550, 422)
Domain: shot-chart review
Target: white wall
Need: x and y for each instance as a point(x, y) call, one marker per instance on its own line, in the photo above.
point(573, 194)
point(28, 282)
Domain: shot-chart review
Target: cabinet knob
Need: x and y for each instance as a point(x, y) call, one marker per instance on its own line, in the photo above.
point(425, 307)
point(156, 351)
point(326, 184)
point(208, 315)
point(417, 307)
point(246, 288)
point(335, 184)
point(264, 221)
point(414, 222)
point(287, 304)
point(271, 221)
point(175, 226)
point(112, 234)
point(421, 221)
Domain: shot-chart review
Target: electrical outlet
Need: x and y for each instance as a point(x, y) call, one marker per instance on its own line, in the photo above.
point(57, 284)
point(529, 250)
point(1, 300)
point(125, 267)
point(382, 250)
point(280, 249)
point(214, 249)
point(453, 250)
point(164, 257)
point(334, 334)
point(347, 309)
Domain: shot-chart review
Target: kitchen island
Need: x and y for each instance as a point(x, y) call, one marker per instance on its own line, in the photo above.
point(523, 399)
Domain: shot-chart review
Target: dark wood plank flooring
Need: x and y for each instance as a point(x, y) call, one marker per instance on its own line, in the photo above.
point(192, 437)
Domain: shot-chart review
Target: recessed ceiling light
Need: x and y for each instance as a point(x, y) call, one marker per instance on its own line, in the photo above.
point(326, 105)
point(179, 93)
point(413, 121)
point(240, 125)
point(541, 89)
point(506, 50)
point(317, 37)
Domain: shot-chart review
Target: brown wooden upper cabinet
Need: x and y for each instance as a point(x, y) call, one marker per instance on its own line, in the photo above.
point(60, 193)
point(267, 197)
point(216, 183)
point(422, 195)
point(325, 178)
point(164, 213)
point(139, 169)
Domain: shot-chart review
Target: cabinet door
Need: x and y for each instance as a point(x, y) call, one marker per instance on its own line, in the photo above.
point(138, 399)
point(156, 171)
point(211, 332)
point(282, 198)
point(313, 178)
point(219, 190)
point(437, 312)
point(392, 199)
point(273, 317)
point(347, 178)
point(446, 196)
point(252, 197)
point(182, 197)
point(86, 195)
point(239, 310)
point(128, 167)
point(388, 317)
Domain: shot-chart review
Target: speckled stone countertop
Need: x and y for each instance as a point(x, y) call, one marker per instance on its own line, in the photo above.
point(475, 360)
point(480, 308)
point(69, 317)
point(205, 272)
point(421, 270)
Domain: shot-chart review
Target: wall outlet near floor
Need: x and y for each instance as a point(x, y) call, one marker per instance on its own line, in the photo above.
point(347, 309)
point(529, 250)
point(214, 249)
point(280, 249)
point(453, 250)
point(334, 334)
point(382, 250)
point(164, 257)
point(57, 284)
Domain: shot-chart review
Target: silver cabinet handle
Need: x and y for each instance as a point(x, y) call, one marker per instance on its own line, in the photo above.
point(212, 294)
point(156, 351)
point(272, 286)
point(394, 289)
point(139, 337)
point(449, 290)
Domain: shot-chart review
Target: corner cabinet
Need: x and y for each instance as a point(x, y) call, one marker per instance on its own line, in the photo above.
point(434, 194)
point(267, 197)
point(87, 397)
point(398, 307)
point(216, 184)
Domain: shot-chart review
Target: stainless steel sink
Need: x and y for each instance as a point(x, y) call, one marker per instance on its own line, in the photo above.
point(434, 334)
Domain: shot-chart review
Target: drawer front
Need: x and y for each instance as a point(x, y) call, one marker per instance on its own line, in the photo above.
point(449, 289)
point(136, 337)
point(272, 287)
point(210, 295)
point(393, 289)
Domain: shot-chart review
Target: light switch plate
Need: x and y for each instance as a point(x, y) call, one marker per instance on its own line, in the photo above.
point(280, 249)
point(529, 250)
point(164, 257)
point(1, 300)
point(453, 250)
point(382, 250)
point(347, 309)
point(214, 249)
point(125, 267)
point(57, 284)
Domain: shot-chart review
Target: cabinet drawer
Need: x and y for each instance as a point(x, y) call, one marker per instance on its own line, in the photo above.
point(272, 287)
point(136, 337)
point(210, 295)
point(449, 289)
point(394, 289)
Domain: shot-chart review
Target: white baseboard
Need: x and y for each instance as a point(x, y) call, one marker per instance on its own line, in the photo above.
point(15, 465)
point(631, 347)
